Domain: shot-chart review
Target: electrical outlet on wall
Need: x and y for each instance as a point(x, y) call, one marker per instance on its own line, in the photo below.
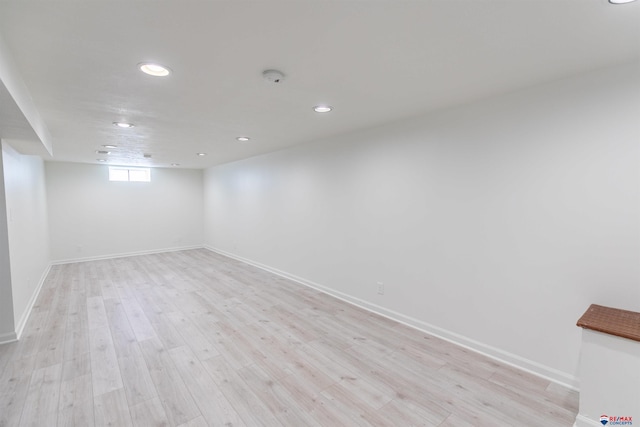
point(380, 288)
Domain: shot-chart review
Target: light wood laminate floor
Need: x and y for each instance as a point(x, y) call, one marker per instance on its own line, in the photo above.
point(193, 339)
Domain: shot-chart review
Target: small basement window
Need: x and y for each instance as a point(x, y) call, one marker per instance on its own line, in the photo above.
point(129, 174)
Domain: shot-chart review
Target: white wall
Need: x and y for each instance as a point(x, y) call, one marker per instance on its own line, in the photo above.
point(28, 232)
point(7, 325)
point(610, 378)
point(91, 217)
point(494, 224)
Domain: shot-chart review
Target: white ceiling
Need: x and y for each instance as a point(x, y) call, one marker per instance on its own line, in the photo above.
point(373, 61)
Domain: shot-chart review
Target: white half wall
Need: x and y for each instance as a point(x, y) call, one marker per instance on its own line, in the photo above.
point(494, 224)
point(610, 373)
point(28, 231)
point(91, 217)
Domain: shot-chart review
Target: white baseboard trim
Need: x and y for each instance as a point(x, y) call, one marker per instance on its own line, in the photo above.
point(8, 337)
point(124, 255)
point(27, 312)
point(516, 361)
point(582, 421)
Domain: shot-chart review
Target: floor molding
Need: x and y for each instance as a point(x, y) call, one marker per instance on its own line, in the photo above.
point(582, 421)
point(516, 361)
point(27, 312)
point(8, 337)
point(125, 254)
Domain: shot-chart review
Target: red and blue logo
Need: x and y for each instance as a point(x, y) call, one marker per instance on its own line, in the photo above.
point(616, 421)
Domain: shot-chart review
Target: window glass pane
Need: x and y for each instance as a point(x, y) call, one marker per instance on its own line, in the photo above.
point(129, 174)
point(139, 175)
point(118, 174)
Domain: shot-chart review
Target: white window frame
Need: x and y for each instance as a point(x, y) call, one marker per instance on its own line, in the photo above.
point(114, 170)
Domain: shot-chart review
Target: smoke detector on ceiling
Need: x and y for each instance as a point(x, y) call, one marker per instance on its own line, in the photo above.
point(273, 76)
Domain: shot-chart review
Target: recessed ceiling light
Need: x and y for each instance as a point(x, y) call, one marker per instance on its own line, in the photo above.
point(155, 70)
point(243, 138)
point(103, 152)
point(620, 1)
point(201, 154)
point(322, 108)
point(101, 160)
point(124, 125)
point(175, 164)
point(110, 146)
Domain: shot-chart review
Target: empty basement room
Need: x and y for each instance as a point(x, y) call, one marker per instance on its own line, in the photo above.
point(320, 213)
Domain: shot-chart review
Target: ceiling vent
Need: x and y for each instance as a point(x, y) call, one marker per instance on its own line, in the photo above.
point(273, 76)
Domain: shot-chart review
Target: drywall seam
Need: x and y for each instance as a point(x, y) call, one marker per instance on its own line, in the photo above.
point(502, 356)
point(27, 312)
point(125, 254)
